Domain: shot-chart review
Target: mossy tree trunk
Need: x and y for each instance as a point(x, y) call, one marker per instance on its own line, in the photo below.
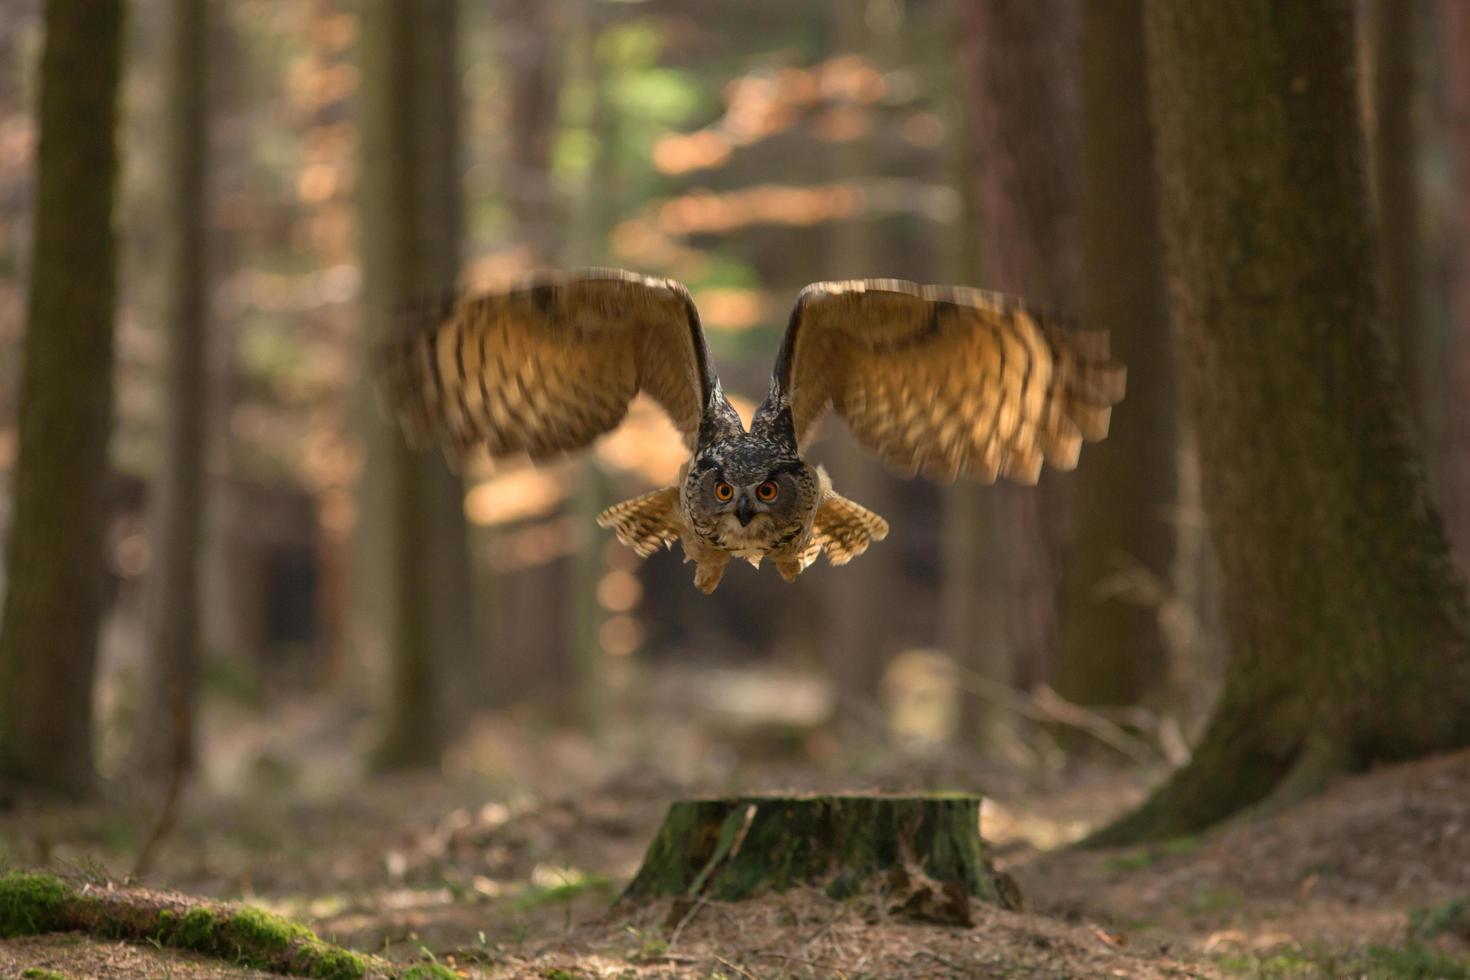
point(410, 231)
point(740, 847)
point(56, 561)
point(1109, 647)
point(176, 497)
point(1348, 626)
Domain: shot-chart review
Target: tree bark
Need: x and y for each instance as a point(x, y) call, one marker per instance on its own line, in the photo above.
point(532, 99)
point(56, 561)
point(1017, 57)
point(737, 848)
point(1454, 28)
point(856, 646)
point(1347, 624)
point(410, 234)
point(172, 640)
point(1396, 179)
point(442, 228)
point(1109, 647)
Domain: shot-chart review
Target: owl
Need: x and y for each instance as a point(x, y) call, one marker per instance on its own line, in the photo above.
point(935, 380)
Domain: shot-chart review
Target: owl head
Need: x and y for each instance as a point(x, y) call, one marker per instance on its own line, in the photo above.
point(744, 479)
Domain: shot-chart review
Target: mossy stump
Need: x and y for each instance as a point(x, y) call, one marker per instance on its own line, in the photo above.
point(736, 848)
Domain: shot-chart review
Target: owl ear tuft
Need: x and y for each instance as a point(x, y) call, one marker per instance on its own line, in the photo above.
point(774, 423)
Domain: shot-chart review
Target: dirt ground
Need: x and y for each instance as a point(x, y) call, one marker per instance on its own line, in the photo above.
point(508, 863)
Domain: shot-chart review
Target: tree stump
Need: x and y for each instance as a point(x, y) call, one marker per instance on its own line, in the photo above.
point(923, 851)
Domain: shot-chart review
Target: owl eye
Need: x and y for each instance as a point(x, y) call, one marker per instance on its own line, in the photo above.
point(766, 491)
point(723, 491)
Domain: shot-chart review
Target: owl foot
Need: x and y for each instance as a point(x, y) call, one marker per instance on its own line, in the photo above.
point(707, 574)
point(790, 568)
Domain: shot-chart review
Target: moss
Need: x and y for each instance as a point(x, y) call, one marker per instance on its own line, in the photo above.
point(38, 973)
point(327, 962)
point(195, 931)
point(428, 971)
point(30, 903)
point(255, 929)
point(35, 903)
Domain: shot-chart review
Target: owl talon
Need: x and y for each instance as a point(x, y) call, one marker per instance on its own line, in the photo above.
point(790, 569)
point(707, 576)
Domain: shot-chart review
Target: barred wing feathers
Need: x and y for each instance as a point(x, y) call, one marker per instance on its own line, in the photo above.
point(945, 380)
point(548, 366)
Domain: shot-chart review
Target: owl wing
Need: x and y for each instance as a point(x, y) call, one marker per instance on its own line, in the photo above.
point(548, 366)
point(945, 380)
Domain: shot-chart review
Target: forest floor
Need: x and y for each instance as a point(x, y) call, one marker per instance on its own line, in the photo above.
point(508, 862)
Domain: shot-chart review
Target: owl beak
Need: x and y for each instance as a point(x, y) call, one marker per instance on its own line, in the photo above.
point(745, 510)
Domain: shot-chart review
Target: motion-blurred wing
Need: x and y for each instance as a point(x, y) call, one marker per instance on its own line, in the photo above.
point(550, 365)
point(945, 380)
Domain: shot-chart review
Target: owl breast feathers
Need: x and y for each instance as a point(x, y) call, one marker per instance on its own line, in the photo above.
point(935, 380)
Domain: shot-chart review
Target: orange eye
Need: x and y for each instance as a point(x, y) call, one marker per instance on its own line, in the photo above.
point(723, 491)
point(766, 491)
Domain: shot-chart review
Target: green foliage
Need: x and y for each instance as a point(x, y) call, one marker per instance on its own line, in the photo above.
point(650, 946)
point(38, 973)
point(30, 903)
point(1217, 899)
point(1452, 918)
point(1411, 962)
point(538, 896)
point(662, 95)
point(1150, 855)
point(232, 679)
point(633, 45)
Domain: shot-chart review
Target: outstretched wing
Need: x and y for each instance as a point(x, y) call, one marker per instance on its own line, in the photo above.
point(548, 366)
point(944, 380)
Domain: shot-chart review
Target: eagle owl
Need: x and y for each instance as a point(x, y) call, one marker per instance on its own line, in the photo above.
point(933, 379)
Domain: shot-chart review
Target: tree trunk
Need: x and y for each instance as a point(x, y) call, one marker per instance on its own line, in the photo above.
point(736, 848)
point(1017, 57)
point(1396, 178)
point(856, 645)
point(442, 229)
point(1346, 622)
point(540, 646)
point(1454, 28)
point(532, 98)
point(172, 641)
point(1109, 647)
point(56, 560)
point(410, 232)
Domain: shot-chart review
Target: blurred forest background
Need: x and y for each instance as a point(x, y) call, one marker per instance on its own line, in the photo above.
point(284, 600)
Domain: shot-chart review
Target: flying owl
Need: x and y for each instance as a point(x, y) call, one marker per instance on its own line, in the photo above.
point(935, 380)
